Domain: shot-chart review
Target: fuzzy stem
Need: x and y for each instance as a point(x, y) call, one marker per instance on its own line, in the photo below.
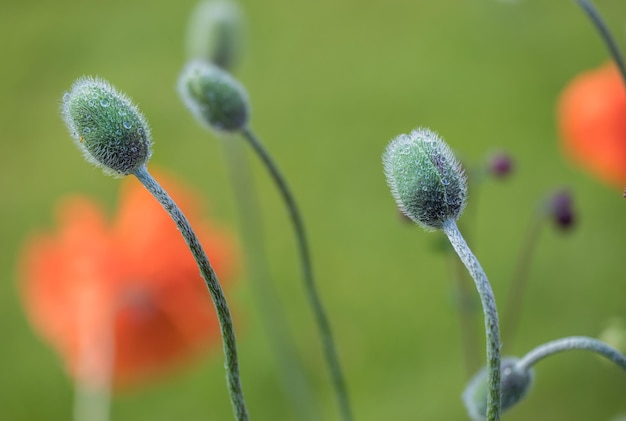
point(568, 344)
point(219, 301)
point(602, 28)
point(488, 301)
point(272, 311)
point(318, 310)
point(466, 313)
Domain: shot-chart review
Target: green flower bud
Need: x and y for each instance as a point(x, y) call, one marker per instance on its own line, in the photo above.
point(214, 33)
point(214, 97)
point(515, 385)
point(106, 126)
point(425, 178)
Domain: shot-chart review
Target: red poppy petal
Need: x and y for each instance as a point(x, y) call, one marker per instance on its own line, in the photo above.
point(592, 122)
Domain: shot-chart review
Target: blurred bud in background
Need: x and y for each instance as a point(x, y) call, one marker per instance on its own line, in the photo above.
point(560, 209)
point(500, 165)
point(615, 334)
point(516, 383)
point(215, 33)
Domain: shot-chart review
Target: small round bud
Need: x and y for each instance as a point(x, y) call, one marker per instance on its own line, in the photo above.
point(214, 33)
point(106, 126)
point(425, 178)
point(615, 334)
point(214, 97)
point(500, 165)
point(515, 384)
point(561, 209)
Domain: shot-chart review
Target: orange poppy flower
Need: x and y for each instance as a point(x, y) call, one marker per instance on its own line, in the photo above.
point(592, 122)
point(123, 300)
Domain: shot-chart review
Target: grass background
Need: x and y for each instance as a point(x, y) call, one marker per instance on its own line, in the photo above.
point(331, 82)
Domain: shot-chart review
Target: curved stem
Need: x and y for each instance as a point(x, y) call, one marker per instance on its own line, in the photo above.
point(602, 28)
point(466, 313)
point(272, 311)
point(318, 310)
point(568, 344)
point(488, 301)
point(219, 301)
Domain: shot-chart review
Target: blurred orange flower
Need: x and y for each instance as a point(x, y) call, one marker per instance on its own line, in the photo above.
point(130, 287)
point(592, 122)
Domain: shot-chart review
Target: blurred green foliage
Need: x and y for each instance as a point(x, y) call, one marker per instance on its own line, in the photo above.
point(331, 82)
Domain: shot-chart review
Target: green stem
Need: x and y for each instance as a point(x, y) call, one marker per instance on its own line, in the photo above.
point(602, 28)
point(96, 359)
point(318, 310)
point(488, 301)
point(219, 301)
point(519, 281)
point(466, 313)
point(568, 344)
point(272, 311)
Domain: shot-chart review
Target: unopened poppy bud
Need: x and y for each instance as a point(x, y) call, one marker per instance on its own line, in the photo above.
point(425, 178)
point(515, 384)
point(214, 33)
point(214, 97)
point(106, 126)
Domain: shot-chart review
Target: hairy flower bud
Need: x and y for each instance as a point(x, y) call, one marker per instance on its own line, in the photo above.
point(214, 33)
point(425, 178)
point(106, 126)
point(214, 97)
point(515, 384)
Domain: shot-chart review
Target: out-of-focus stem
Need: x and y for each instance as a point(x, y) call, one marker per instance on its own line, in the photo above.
point(281, 339)
point(608, 39)
point(519, 281)
point(321, 319)
point(96, 353)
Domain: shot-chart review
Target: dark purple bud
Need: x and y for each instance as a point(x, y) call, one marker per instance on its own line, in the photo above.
point(500, 165)
point(561, 209)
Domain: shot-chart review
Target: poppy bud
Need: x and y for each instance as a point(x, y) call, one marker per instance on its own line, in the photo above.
point(106, 126)
point(425, 178)
point(214, 97)
point(214, 33)
point(561, 209)
point(500, 165)
point(515, 384)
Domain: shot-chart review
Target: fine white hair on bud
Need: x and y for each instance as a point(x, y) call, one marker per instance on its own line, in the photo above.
point(425, 178)
point(106, 126)
point(515, 384)
point(213, 96)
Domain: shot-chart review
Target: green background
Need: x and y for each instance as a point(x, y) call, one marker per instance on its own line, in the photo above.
point(331, 82)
